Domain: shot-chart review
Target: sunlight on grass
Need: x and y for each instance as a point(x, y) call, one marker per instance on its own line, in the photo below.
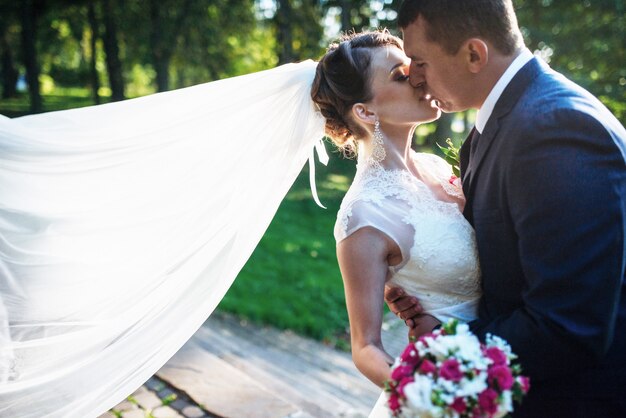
point(292, 280)
point(337, 182)
point(59, 98)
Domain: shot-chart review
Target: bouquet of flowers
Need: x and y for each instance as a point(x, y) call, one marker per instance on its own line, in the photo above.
point(449, 373)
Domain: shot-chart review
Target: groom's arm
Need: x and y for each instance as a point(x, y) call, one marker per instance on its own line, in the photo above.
point(565, 193)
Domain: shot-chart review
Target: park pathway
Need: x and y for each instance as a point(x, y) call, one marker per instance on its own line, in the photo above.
point(232, 369)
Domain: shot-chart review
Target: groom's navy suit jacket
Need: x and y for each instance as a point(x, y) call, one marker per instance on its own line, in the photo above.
point(546, 194)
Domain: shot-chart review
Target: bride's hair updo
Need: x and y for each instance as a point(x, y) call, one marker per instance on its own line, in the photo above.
point(343, 78)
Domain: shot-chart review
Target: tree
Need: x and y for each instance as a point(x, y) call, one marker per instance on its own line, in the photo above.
point(355, 14)
point(584, 40)
point(167, 21)
point(111, 48)
point(8, 72)
point(71, 60)
point(95, 34)
point(218, 41)
point(298, 25)
point(358, 15)
point(30, 11)
point(284, 31)
point(182, 42)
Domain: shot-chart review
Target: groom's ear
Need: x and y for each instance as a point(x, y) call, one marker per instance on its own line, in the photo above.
point(476, 53)
point(363, 114)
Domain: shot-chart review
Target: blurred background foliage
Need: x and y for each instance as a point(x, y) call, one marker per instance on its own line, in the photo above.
point(67, 53)
point(58, 54)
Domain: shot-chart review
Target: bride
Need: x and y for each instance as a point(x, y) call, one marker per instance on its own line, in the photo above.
point(401, 221)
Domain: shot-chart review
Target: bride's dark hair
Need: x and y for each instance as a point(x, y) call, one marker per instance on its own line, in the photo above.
point(342, 79)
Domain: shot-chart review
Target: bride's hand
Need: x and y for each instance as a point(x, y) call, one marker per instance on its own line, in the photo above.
point(402, 305)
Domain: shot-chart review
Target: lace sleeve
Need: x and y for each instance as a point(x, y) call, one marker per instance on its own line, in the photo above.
point(386, 215)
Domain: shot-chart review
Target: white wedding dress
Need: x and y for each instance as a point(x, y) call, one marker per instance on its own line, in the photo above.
point(439, 256)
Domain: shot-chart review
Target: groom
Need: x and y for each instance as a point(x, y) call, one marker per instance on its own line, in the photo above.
point(544, 175)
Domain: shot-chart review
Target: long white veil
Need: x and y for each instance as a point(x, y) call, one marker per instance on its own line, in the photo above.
point(123, 225)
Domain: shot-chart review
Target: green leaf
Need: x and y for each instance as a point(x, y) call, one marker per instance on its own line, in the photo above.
point(450, 327)
point(451, 160)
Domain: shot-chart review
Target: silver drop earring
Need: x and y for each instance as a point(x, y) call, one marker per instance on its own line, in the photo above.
point(378, 149)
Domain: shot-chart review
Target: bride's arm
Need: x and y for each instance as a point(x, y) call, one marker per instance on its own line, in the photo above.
point(364, 258)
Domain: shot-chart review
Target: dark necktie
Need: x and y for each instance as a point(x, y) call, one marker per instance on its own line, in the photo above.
point(466, 158)
point(474, 142)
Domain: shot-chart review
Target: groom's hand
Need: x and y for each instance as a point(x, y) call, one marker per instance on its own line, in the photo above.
point(403, 306)
point(424, 324)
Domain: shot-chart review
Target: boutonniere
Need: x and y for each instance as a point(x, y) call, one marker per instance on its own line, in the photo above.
point(451, 154)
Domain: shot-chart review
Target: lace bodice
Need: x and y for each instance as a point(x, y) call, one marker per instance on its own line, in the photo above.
point(439, 257)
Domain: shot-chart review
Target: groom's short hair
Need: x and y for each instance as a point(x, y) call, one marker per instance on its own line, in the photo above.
point(452, 22)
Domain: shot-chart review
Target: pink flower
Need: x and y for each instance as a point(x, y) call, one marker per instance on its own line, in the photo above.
point(401, 372)
point(394, 403)
point(455, 181)
point(410, 355)
point(450, 370)
point(488, 401)
point(476, 413)
point(459, 405)
point(496, 355)
point(403, 383)
point(427, 367)
point(524, 382)
point(501, 376)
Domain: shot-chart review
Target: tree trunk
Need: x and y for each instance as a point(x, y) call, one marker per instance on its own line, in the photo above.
point(346, 15)
point(29, 50)
point(8, 71)
point(95, 33)
point(111, 48)
point(163, 35)
point(285, 36)
point(536, 23)
point(160, 55)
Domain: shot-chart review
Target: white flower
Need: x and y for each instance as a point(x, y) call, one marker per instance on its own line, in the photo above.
point(463, 329)
point(507, 402)
point(447, 385)
point(495, 341)
point(467, 345)
point(469, 349)
point(397, 361)
point(472, 387)
point(418, 397)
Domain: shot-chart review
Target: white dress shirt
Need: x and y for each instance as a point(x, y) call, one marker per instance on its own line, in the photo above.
point(487, 108)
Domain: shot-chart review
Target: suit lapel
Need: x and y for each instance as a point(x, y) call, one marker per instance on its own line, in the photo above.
point(503, 107)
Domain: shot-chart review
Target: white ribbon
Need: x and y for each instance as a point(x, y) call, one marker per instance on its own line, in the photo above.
point(323, 157)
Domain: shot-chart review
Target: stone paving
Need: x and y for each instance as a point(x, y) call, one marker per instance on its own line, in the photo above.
point(157, 399)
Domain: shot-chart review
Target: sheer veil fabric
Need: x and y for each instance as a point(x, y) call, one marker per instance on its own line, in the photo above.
point(123, 225)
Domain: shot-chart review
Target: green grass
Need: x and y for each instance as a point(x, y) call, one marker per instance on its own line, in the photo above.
point(292, 280)
point(65, 98)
